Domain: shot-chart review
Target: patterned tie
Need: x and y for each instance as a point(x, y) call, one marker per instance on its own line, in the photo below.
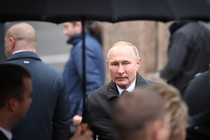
point(124, 92)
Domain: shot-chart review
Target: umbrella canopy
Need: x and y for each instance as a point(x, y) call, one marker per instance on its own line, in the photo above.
point(17, 10)
point(59, 11)
point(124, 10)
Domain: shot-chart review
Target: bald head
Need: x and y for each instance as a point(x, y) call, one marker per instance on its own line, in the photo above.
point(21, 36)
point(123, 44)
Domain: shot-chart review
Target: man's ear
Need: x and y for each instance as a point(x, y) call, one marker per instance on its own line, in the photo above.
point(138, 63)
point(12, 104)
point(11, 43)
point(78, 27)
point(107, 62)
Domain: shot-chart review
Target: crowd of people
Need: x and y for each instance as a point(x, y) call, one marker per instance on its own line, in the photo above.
point(39, 103)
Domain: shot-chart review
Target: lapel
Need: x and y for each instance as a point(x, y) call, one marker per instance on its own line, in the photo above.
point(112, 88)
point(140, 81)
point(2, 136)
point(112, 91)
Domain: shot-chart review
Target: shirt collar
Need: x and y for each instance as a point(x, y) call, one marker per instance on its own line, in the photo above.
point(129, 89)
point(20, 51)
point(7, 133)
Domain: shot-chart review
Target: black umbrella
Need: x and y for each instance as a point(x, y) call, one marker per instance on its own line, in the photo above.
point(59, 11)
point(16, 10)
point(121, 10)
point(103, 10)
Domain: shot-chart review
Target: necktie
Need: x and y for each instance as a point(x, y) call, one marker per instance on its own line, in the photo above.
point(124, 92)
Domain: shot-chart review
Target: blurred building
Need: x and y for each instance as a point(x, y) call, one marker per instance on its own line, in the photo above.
point(150, 37)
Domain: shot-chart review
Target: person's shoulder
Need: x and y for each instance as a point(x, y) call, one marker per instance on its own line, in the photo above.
point(51, 69)
point(204, 76)
point(145, 82)
point(101, 92)
point(152, 83)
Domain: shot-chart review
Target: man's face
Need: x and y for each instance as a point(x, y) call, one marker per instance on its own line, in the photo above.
point(123, 65)
point(25, 103)
point(165, 129)
point(69, 29)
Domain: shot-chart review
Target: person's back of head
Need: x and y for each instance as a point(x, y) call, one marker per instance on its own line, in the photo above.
point(96, 29)
point(20, 36)
point(73, 28)
point(140, 115)
point(177, 109)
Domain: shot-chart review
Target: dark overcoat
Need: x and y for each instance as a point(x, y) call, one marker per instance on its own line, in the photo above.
point(49, 114)
point(99, 107)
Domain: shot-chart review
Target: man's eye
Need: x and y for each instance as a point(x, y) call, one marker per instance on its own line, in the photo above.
point(126, 63)
point(114, 64)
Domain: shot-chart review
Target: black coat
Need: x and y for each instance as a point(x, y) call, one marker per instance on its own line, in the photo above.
point(2, 136)
point(188, 53)
point(197, 94)
point(200, 127)
point(197, 97)
point(99, 107)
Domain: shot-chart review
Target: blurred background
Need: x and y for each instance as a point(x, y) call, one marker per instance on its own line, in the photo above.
point(150, 37)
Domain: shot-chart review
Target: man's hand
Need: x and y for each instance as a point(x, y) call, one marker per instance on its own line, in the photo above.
point(77, 119)
point(87, 135)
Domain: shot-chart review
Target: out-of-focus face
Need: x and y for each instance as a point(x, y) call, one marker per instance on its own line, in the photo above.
point(123, 65)
point(165, 129)
point(69, 29)
point(25, 103)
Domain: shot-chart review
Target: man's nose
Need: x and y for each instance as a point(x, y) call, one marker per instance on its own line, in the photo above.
point(121, 69)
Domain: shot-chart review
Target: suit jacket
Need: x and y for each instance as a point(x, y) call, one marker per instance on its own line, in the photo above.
point(200, 126)
point(49, 113)
point(99, 107)
point(2, 136)
point(196, 94)
point(197, 97)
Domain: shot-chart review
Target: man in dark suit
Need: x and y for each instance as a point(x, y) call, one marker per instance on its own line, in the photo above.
point(189, 42)
point(197, 94)
point(48, 117)
point(197, 97)
point(15, 97)
point(123, 62)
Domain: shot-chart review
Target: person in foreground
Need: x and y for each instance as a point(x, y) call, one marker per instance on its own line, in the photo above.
point(15, 100)
point(197, 96)
point(176, 108)
point(15, 97)
point(123, 62)
point(49, 116)
point(141, 116)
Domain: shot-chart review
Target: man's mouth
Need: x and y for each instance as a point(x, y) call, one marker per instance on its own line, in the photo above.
point(120, 78)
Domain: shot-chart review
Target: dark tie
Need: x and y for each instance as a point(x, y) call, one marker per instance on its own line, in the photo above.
point(124, 92)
